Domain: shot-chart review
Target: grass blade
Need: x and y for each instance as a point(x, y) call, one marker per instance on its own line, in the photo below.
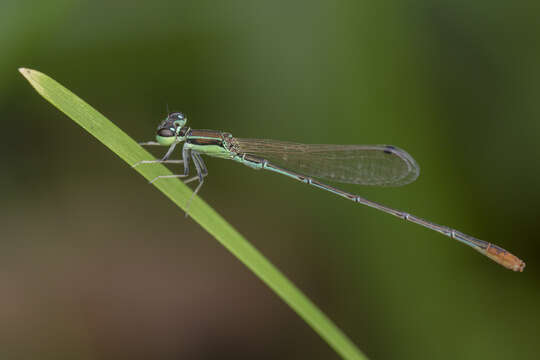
point(128, 150)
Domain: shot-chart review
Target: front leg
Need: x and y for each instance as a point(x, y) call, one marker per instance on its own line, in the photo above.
point(165, 158)
point(150, 143)
point(169, 152)
point(186, 153)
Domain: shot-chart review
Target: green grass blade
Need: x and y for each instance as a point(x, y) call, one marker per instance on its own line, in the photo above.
point(128, 150)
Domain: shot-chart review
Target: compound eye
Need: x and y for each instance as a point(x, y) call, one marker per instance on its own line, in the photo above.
point(166, 133)
point(177, 116)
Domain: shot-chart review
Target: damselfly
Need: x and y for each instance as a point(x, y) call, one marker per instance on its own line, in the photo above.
point(381, 165)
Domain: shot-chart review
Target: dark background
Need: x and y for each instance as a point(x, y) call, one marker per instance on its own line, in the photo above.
point(97, 264)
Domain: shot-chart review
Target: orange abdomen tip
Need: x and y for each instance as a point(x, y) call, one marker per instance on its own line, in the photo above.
point(503, 257)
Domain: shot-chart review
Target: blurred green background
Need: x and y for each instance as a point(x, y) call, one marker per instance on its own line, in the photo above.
point(97, 264)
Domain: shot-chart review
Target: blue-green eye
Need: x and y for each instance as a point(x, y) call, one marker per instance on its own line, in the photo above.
point(177, 115)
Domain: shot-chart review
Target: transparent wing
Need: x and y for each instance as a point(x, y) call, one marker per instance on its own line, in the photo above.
point(382, 165)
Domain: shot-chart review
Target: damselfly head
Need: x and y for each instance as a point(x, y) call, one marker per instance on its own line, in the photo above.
point(169, 129)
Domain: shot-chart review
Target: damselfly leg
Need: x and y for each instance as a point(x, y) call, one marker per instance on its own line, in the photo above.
point(198, 162)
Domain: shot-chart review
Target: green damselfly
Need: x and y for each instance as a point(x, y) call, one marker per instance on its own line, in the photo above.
point(382, 165)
